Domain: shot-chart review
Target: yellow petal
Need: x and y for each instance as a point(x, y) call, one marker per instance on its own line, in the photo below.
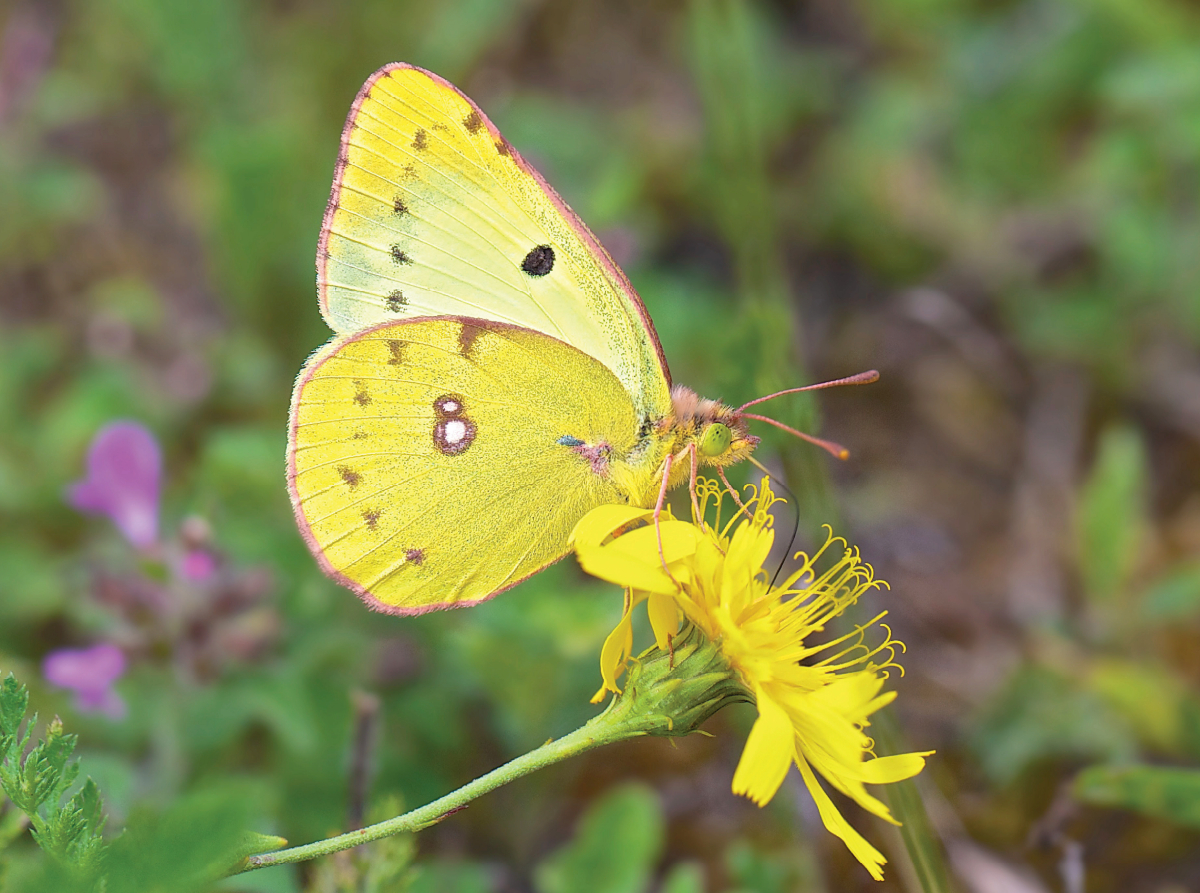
point(836, 823)
point(616, 650)
point(885, 770)
point(663, 611)
point(748, 550)
point(601, 522)
point(632, 571)
point(768, 753)
point(633, 560)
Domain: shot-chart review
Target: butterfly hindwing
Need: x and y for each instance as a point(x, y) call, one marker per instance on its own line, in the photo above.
point(434, 213)
point(435, 462)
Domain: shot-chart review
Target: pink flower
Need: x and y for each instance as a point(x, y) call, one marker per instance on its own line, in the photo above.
point(124, 468)
point(90, 673)
point(198, 565)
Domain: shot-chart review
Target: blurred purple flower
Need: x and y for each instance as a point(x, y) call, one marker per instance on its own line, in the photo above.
point(198, 565)
point(124, 466)
point(90, 673)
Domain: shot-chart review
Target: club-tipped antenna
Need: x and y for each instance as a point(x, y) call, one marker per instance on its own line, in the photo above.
point(834, 449)
point(867, 377)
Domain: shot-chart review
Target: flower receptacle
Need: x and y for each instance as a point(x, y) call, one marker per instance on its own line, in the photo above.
point(673, 692)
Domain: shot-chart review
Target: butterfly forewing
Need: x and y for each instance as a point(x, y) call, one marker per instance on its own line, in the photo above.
point(436, 462)
point(433, 213)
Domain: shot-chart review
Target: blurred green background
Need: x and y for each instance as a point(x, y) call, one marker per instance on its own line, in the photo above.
point(995, 203)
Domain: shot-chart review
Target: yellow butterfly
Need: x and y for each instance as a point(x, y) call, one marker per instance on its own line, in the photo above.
point(494, 375)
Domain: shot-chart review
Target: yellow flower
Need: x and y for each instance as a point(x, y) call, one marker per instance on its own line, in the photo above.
point(814, 700)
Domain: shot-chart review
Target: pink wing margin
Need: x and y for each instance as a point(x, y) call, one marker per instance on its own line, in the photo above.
point(586, 236)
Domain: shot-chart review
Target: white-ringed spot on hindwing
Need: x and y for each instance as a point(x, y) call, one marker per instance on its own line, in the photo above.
point(453, 432)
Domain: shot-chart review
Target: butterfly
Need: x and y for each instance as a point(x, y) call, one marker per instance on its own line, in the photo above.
point(494, 375)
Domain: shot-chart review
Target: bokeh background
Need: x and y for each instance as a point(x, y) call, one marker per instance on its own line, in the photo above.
point(993, 202)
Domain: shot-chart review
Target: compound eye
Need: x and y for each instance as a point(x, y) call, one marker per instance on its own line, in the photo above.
point(715, 440)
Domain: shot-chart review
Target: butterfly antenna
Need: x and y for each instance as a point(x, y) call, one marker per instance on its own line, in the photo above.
point(871, 375)
point(795, 515)
point(834, 449)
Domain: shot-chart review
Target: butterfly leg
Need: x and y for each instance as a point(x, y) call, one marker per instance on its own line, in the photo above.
point(690, 449)
point(658, 506)
point(734, 493)
point(690, 452)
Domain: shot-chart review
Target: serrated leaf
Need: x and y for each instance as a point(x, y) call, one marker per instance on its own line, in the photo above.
point(14, 701)
point(37, 783)
point(90, 805)
point(1167, 793)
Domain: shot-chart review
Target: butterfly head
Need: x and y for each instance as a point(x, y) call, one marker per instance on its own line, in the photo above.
point(722, 437)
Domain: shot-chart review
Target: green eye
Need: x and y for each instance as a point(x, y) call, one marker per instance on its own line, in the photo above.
point(716, 439)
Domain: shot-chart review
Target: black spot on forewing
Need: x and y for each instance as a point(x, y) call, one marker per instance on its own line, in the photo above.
point(420, 140)
point(349, 476)
point(473, 122)
point(399, 208)
point(399, 257)
point(396, 302)
point(539, 261)
point(396, 352)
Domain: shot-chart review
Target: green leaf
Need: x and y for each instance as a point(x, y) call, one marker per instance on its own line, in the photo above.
point(37, 783)
point(1175, 596)
point(684, 877)
point(754, 870)
point(185, 848)
point(14, 701)
point(614, 850)
point(1166, 793)
point(1040, 714)
point(1111, 516)
point(1154, 701)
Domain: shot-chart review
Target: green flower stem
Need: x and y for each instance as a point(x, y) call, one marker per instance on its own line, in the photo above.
point(665, 694)
point(600, 730)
